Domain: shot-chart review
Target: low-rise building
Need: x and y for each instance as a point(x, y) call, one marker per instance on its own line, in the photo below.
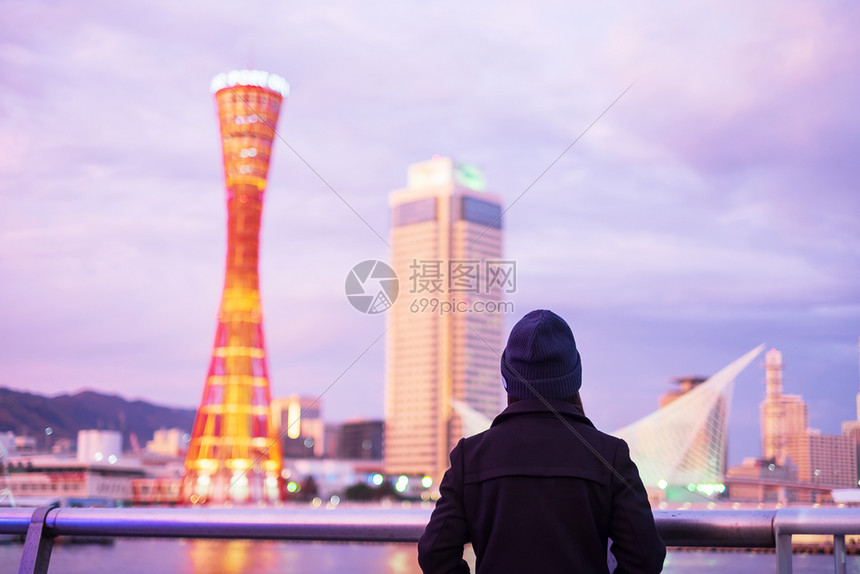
point(361, 440)
point(66, 479)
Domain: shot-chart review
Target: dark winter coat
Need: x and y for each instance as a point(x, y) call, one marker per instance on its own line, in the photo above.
point(541, 492)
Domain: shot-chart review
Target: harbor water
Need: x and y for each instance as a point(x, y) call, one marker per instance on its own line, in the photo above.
point(145, 556)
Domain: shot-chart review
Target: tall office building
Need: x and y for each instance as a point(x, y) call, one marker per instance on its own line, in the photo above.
point(828, 460)
point(781, 415)
point(851, 429)
point(445, 329)
point(234, 454)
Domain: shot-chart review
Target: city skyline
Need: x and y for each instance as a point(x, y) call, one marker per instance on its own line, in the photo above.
point(711, 209)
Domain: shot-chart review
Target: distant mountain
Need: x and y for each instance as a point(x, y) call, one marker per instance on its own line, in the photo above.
point(30, 414)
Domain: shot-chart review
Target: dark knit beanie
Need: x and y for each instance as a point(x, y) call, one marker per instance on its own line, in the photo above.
point(541, 354)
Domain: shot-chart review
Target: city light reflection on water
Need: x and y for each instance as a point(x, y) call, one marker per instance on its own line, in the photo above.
point(312, 557)
point(144, 556)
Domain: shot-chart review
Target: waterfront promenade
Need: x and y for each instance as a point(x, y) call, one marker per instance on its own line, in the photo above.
point(149, 555)
point(726, 529)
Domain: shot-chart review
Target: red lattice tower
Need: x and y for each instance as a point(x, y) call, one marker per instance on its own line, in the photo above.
point(235, 455)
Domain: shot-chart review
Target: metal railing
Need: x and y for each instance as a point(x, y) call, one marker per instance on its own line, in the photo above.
point(688, 528)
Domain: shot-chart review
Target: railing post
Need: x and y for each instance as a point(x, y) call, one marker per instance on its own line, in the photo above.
point(783, 553)
point(839, 553)
point(37, 545)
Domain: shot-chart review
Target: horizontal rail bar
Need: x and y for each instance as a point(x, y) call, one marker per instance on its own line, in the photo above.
point(349, 525)
point(694, 528)
point(817, 521)
point(718, 528)
point(15, 520)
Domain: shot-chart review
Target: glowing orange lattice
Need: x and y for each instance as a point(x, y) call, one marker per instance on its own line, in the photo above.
point(234, 454)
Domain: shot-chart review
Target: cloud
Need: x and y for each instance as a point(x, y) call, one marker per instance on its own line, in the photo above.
point(717, 196)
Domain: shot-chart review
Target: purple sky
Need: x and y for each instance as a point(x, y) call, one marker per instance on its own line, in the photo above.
point(713, 208)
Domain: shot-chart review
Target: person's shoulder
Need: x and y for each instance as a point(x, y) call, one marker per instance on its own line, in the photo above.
point(584, 427)
point(606, 435)
point(475, 439)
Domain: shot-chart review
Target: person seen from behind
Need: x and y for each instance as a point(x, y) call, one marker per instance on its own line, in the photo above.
point(542, 490)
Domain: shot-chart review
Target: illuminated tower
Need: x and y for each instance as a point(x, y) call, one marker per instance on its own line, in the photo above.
point(234, 454)
point(445, 329)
